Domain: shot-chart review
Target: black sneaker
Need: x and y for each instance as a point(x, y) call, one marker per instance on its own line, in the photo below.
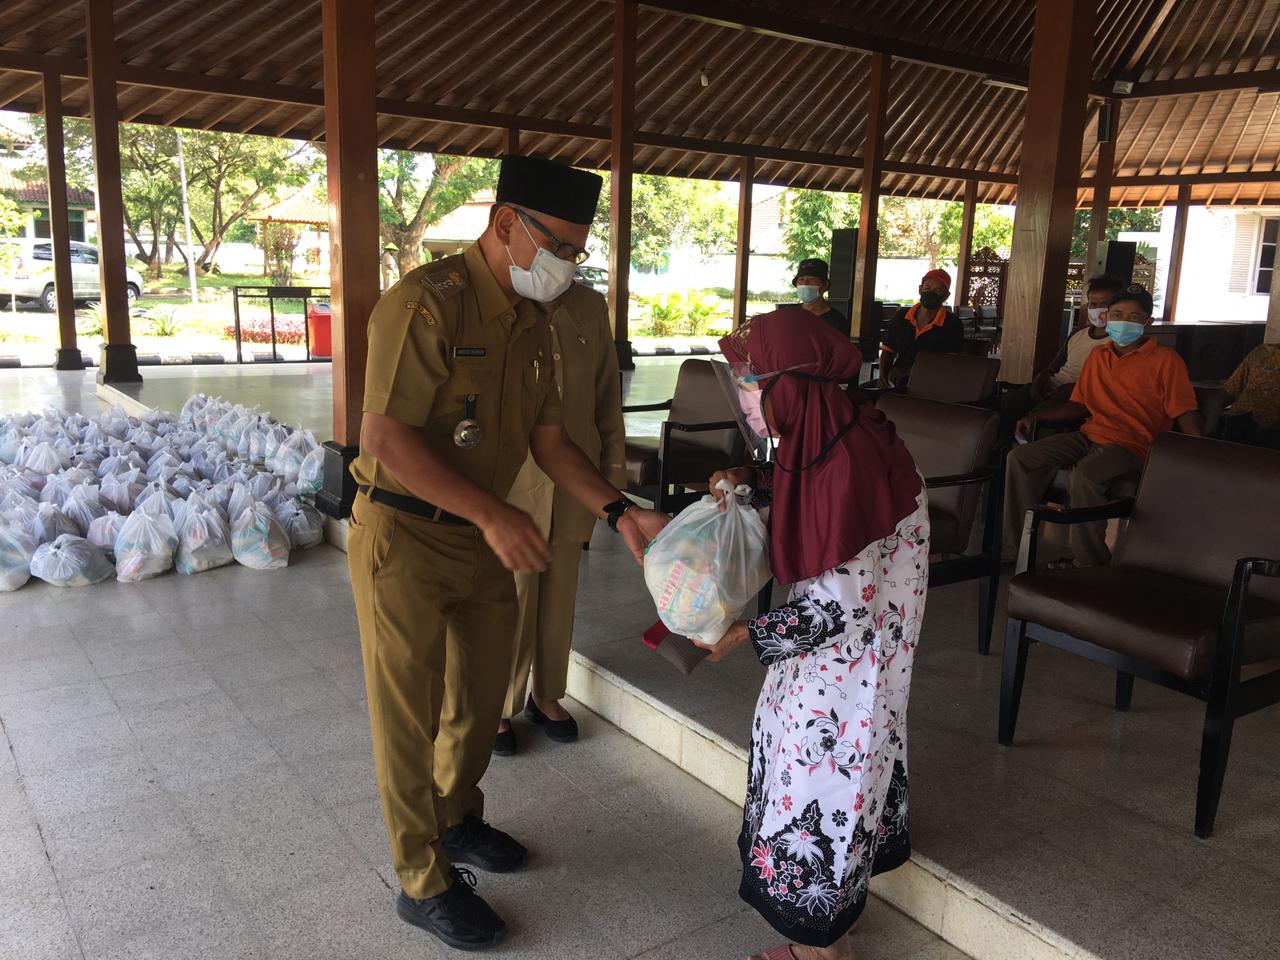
point(476, 843)
point(504, 744)
point(458, 917)
point(561, 731)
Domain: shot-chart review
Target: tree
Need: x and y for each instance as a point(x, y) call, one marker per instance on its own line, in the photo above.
point(669, 212)
point(408, 207)
point(914, 227)
point(1139, 220)
point(150, 187)
point(809, 216)
point(10, 226)
point(992, 227)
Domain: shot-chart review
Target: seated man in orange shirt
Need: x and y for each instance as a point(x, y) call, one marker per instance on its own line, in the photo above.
point(1132, 390)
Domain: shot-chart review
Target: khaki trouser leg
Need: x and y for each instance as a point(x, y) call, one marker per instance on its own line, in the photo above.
point(1029, 472)
point(1088, 482)
point(405, 578)
point(545, 632)
point(477, 670)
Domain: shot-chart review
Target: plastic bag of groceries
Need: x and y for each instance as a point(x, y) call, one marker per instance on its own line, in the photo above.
point(204, 539)
point(162, 493)
point(292, 452)
point(83, 506)
point(103, 532)
point(56, 490)
point(70, 562)
point(119, 491)
point(302, 522)
point(707, 564)
point(43, 458)
point(241, 499)
point(146, 543)
point(257, 539)
point(50, 523)
point(16, 549)
point(276, 434)
point(10, 441)
point(311, 473)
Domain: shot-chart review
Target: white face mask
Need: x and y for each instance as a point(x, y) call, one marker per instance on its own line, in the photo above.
point(1095, 316)
point(808, 292)
point(546, 278)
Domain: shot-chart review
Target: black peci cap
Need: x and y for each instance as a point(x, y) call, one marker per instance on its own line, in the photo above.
point(555, 189)
point(1136, 293)
point(813, 267)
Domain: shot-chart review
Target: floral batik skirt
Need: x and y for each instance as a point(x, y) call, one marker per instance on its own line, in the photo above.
point(826, 801)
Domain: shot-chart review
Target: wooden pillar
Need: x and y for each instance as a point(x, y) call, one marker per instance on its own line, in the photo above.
point(68, 356)
point(621, 167)
point(351, 152)
point(512, 144)
point(118, 362)
point(742, 264)
point(866, 319)
point(1272, 333)
point(966, 237)
point(1053, 124)
point(1173, 281)
point(1108, 126)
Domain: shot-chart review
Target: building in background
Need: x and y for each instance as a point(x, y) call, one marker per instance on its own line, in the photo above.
point(32, 196)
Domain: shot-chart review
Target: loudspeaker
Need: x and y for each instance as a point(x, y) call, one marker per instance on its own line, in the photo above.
point(1116, 258)
point(844, 248)
point(1105, 120)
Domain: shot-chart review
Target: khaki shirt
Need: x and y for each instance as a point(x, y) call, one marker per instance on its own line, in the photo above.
point(586, 364)
point(447, 332)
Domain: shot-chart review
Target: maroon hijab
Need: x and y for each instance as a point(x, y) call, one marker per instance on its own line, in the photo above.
point(865, 484)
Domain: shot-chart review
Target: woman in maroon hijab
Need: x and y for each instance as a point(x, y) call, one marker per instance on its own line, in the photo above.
point(826, 804)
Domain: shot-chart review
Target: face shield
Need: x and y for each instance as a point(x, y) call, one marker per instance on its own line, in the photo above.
point(745, 390)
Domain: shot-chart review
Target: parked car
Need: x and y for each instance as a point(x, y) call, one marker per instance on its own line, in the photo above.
point(597, 278)
point(28, 273)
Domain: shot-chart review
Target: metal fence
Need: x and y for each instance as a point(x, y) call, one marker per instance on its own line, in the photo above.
point(276, 326)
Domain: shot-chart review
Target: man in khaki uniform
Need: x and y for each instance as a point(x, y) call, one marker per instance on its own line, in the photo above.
point(459, 389)
point(586, 366)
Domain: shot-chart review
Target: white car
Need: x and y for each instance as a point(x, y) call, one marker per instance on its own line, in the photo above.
point(26, 272)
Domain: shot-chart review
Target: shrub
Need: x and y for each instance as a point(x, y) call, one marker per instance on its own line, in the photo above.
point(289, 329)
point(701, 310)
point(667, 312)
point(93, 321)
point(164, 321)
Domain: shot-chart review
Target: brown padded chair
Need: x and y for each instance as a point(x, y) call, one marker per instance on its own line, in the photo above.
point(700, 437)
point(954, 447)
point(954, 378)
point(1192, 596)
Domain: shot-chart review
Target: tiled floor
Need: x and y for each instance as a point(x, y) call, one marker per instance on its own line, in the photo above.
point(185, 772)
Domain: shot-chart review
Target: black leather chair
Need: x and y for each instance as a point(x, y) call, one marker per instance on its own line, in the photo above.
point(954, 447)
point(1191, 598)
point(699, 437)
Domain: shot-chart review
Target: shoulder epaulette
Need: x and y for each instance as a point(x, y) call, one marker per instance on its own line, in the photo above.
point(446, 278)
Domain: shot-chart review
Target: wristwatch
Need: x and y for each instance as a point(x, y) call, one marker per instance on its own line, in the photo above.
point(613, 512)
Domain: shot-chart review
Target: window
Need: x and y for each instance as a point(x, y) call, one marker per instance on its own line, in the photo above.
point(42, 251)
point(1267, 255)
point(84, 254)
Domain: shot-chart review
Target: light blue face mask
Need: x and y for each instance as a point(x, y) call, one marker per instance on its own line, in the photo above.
point(1124, 332)
point(808, 292)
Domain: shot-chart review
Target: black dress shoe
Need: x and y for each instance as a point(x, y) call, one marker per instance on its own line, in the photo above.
point(476, 843)
point(561, 731)
point(504, 744)
point(458, 917)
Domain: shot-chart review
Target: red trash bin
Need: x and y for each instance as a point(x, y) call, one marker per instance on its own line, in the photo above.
point(320, 330)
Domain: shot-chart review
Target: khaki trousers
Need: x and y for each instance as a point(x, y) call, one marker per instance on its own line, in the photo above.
point(1031, 469)
point(544, 633)
point(436, 611)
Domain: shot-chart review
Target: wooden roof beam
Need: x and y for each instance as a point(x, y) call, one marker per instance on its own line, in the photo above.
point(725, 13)
point(1145, 36)
point(1265, 80)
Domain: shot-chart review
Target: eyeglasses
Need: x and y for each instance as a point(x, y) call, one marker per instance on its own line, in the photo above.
point(558, 249)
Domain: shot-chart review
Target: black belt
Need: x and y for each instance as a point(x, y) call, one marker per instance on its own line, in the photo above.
point(419, 508)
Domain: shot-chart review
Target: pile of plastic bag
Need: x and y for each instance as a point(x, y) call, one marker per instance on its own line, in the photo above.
point(707, 565)
point(84, 498)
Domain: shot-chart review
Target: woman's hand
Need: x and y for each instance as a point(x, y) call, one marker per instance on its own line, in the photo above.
point(735, 636)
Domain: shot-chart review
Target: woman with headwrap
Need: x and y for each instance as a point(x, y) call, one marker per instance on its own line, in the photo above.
point(826, 804)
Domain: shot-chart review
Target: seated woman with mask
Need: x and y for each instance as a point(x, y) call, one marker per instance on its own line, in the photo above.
point(826, 805)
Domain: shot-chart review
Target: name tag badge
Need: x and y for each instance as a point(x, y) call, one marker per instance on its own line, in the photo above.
point(469, 352)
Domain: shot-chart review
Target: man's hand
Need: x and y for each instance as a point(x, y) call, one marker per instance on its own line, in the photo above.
point(896, 375)
point(514, 537)
point(1024, 428)
point(638, 527)
point(735, 636)
point(735, 478)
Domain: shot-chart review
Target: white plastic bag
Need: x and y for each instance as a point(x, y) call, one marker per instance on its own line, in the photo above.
point(43, 458)
point(204, 539)
point(70, 562)
point(83, 506)
point(292, 452)
point(706, 565)
point(146, 543)
point(302, 522)
point(120, 490)
point(257, 539)
point(311, 473)
point(50, 523)
point(56, 490)
point(16, 549)
point(103, 532)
